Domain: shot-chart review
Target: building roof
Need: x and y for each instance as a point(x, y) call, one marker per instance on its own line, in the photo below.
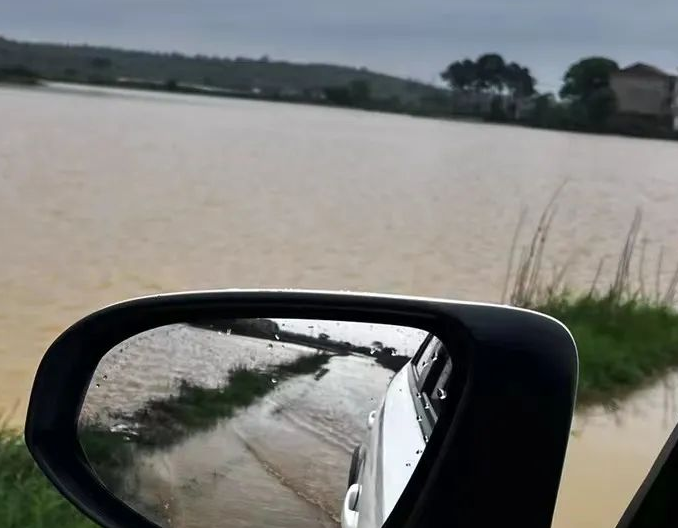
point(640, 68)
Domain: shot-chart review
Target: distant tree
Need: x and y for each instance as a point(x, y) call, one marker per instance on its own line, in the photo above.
point(393, 103)
point(460, 75)
point(100, 63)
point(18, 71)
point(545, 112)
point(19, 74)
point(490, 71)
point(360, 92)
point(586, 85)
point(70, 72)
point(338, 95)
point(497, 109)
point(518, 80)
point(436, 104)
point(576, 115)
point(323, 336)
point(585, 77)
point(600, 105)
point(171, 84)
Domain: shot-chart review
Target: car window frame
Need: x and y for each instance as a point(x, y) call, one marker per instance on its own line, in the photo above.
point(421, 382)
point(422, 375)
point(435, 403)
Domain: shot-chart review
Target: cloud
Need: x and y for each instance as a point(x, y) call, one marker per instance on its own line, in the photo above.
point(407, 37)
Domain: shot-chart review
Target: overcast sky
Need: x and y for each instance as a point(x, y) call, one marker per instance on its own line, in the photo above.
point(414, 38)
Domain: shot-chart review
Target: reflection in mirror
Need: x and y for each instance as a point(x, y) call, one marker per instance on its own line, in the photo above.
point(264, 422)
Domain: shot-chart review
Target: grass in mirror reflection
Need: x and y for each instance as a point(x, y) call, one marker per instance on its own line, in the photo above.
point(162, 423)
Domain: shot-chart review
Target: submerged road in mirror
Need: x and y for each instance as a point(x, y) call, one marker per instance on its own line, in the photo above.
point(259, 421)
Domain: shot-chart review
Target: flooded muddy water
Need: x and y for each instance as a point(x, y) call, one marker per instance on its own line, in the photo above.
point(107, 195)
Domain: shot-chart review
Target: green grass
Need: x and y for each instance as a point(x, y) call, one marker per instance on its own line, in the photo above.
point(108, 452)
point(626, 331)
point(27, 499)
point(164, 422)
point(623, 344)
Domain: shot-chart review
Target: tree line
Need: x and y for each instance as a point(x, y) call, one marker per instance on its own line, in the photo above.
point(490, 73)
point(585, 99)
point(489, 87)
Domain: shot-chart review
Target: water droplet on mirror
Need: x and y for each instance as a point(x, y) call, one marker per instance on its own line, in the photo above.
point(105, 377)
point(425, 439)
point(423, 365)
point(442, 394)
point(97, 385)
point(418, 452)
point(126, 438)
point(228, 331)
point(419, 395)
point(118, 428)
point(408, 464)
point(274, 381)
point(270, 345)
point(418, 418)
point(277, 337)
point(393, 352)
point(166, 505)
point(427, 406)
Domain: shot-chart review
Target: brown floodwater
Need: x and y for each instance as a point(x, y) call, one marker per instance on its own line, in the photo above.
point(106, 195)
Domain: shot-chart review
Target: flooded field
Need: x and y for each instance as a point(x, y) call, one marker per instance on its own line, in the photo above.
point(108, 195)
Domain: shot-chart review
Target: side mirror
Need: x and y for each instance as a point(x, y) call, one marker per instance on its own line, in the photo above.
point(291, 408)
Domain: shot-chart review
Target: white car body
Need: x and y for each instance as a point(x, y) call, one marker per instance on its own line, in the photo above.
point(396, 440)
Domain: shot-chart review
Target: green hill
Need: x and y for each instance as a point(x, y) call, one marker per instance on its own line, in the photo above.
point(268, 78)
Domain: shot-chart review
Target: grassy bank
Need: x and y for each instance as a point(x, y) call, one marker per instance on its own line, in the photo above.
point(161, 423)
point(164, 422)
point(626, 331)
point(27, 500)
point(622, 345)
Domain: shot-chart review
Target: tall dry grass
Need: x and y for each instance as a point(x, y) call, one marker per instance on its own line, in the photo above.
point(626, 329)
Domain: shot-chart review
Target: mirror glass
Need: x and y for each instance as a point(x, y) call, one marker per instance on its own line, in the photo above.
point(264, 422)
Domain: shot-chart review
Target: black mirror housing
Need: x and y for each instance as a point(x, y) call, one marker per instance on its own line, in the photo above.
point(495, 459)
